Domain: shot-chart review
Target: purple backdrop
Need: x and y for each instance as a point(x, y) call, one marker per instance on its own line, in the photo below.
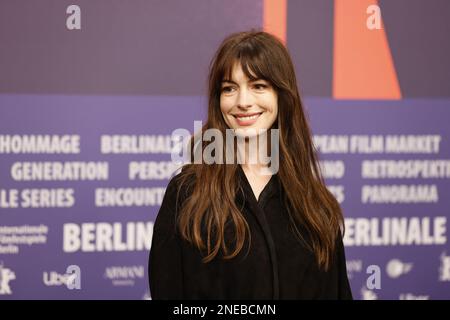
point(138, 70)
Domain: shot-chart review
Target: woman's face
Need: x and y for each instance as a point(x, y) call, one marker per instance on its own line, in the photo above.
point(247, 104)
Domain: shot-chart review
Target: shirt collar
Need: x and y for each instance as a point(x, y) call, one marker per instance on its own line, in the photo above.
point(271, 189)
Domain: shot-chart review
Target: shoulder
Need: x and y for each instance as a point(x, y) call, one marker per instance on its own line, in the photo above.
point(177, 191)
point(181, 184)
point(166, 219)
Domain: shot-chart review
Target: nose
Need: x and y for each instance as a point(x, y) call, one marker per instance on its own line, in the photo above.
point(245, 99)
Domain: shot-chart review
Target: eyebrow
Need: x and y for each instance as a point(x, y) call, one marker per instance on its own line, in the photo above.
point(231, 81)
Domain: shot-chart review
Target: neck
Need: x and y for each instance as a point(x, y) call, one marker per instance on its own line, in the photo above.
point(253, 157)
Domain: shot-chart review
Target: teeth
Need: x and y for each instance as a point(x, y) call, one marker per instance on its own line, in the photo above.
point(249, 118)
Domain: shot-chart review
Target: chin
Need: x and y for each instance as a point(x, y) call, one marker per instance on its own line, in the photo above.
point(248, 131)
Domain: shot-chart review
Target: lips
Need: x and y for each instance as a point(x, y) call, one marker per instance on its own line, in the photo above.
point(247, 119)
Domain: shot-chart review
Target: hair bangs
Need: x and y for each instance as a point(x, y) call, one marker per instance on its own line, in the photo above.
point(251, 60)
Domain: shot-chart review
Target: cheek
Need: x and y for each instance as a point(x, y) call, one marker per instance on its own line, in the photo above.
point(275, 104)
point(225, 105)
point(275, 111)
point(271, 103)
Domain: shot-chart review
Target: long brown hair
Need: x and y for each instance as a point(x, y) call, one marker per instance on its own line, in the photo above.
point(211, 202)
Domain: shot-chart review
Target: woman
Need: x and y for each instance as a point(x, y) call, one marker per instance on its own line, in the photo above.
point(231, 231)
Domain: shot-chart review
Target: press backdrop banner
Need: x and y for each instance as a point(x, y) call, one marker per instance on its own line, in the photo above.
point(91, 91)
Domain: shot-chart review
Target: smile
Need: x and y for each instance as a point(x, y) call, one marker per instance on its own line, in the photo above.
point(247, 120)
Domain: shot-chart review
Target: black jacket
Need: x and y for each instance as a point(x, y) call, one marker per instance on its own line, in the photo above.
point(277, 266)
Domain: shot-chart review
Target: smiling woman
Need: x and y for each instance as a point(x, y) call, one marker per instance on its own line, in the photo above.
point(228, 231)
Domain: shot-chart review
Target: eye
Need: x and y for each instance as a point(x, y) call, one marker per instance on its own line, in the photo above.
point(227, 89)
point(260, 86)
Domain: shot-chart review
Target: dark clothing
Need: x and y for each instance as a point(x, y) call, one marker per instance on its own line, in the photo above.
point(277, 266)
